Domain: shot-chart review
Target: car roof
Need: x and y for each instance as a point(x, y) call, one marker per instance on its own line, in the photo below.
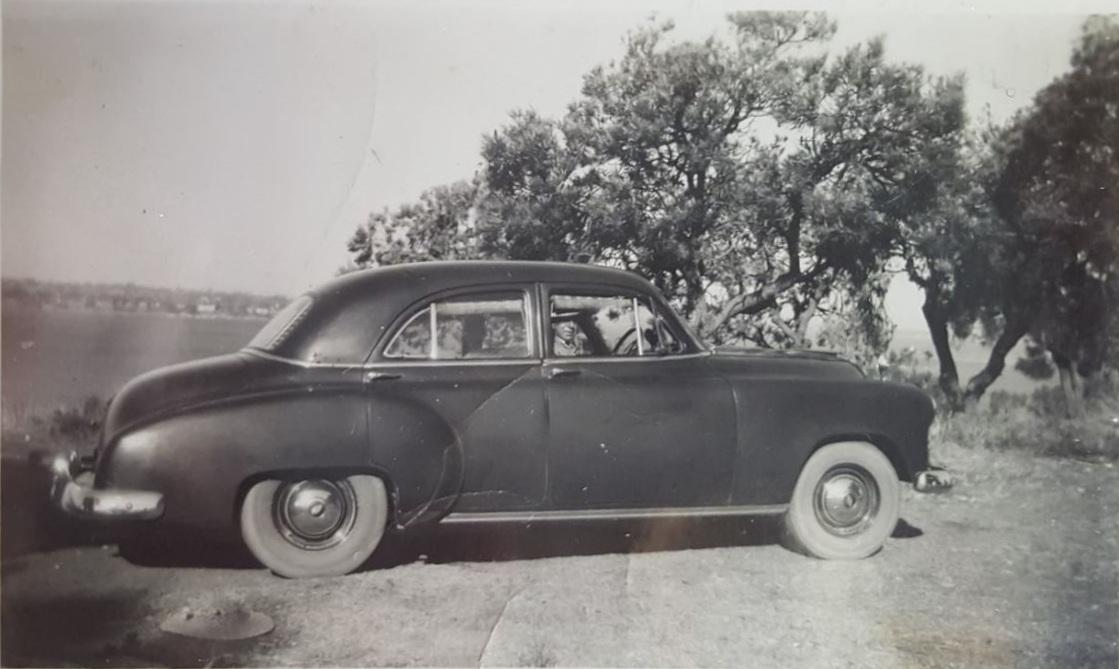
point(348, 308)
point(425, 278)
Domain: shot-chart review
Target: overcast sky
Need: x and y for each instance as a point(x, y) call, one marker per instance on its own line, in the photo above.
point(238, 145)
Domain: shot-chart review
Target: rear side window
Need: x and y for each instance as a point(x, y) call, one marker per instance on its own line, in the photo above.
point(485, 326)
point(272, 335)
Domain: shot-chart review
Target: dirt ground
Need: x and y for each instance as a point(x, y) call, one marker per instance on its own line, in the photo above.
point(1016, 567)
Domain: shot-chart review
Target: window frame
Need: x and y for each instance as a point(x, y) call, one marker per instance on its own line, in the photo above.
point(378, 356)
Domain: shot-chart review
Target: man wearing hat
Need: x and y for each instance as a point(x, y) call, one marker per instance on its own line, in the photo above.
point(567, 343)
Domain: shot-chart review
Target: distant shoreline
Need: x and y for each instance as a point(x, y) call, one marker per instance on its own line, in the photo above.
point(132, 298)
point(53, 308)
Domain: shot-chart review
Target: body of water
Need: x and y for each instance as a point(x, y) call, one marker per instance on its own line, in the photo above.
point(54, 357)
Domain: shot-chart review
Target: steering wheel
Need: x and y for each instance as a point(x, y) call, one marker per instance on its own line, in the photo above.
point(624, 347)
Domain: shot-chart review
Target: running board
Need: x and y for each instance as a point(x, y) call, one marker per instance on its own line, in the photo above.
point(615, 514)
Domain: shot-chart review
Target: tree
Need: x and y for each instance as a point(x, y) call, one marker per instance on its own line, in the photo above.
point(1020, 238)
point(1058, 189)
point(438, 227)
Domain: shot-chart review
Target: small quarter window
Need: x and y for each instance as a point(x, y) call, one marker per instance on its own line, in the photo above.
point(276, 330)
point(414, 339)
point(475, 327)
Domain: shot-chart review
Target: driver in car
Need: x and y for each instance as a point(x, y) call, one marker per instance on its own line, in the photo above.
point(567, 343)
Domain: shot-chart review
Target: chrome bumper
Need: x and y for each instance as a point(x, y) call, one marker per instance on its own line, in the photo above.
point(72, 491)
point(932, 480)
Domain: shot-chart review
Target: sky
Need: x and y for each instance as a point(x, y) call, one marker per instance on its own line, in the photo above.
point(236, 146)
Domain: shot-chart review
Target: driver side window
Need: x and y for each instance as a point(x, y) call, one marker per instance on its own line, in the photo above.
point(605, 326)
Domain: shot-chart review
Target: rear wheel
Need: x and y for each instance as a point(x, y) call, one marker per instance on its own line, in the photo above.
point(845, 504)
point(314, 527)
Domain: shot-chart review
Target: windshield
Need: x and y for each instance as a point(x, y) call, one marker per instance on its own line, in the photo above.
point(276, 330)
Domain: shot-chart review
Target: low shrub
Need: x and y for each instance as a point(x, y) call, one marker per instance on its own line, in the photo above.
point(78, 423)
point(1035, 424)
point(908, 366)
point(40, 435)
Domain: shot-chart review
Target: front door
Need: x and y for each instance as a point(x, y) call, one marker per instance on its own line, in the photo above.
point(633, 422)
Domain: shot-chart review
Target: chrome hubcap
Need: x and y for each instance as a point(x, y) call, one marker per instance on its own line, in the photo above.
point(315, 514)
point(846, 500)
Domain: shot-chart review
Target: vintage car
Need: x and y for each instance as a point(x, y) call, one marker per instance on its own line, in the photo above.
point(497, 392)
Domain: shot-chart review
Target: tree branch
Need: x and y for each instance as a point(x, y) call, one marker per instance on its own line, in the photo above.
point(765, 297)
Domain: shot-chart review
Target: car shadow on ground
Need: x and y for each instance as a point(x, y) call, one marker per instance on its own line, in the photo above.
point(903, 530)
point(444, 544)
point(29, 626)
point(507, 542)
point(29, 523)
point(87, 629)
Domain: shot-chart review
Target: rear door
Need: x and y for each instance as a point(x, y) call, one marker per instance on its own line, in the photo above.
point(470, 358)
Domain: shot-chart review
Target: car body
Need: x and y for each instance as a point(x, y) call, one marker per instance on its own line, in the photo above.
point(443, 392)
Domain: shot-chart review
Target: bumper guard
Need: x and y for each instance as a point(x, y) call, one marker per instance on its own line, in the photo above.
point(933, 480)
point(72, 491)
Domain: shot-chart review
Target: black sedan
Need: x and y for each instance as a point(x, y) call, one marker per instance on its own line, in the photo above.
point(497, 392)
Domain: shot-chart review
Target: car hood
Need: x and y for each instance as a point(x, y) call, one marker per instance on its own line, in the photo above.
point(176, 387)
point(817, 364)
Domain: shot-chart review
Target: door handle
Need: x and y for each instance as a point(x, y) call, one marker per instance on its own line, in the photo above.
point(556, 372)
point(372, 376)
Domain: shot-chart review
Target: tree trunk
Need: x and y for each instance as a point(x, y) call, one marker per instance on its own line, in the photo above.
point(1070, 385)
point(804, 319)
point(996, 361)
point(949, 378)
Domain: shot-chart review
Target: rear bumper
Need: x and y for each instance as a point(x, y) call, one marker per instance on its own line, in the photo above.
point(72, 492)
point(933, 480)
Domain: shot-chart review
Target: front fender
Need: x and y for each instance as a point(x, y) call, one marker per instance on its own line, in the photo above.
point(781, 422)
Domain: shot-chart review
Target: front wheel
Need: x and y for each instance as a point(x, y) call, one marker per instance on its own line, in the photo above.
point(845, 504)
point(314, 527)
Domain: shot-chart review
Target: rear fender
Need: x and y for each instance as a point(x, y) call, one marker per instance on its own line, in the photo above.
point(202, 460)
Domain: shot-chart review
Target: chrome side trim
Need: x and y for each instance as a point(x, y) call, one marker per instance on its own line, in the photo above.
point(615, 514)
point(581, 360)
point(522, 361)
point(489, 362)
point(297, 363)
